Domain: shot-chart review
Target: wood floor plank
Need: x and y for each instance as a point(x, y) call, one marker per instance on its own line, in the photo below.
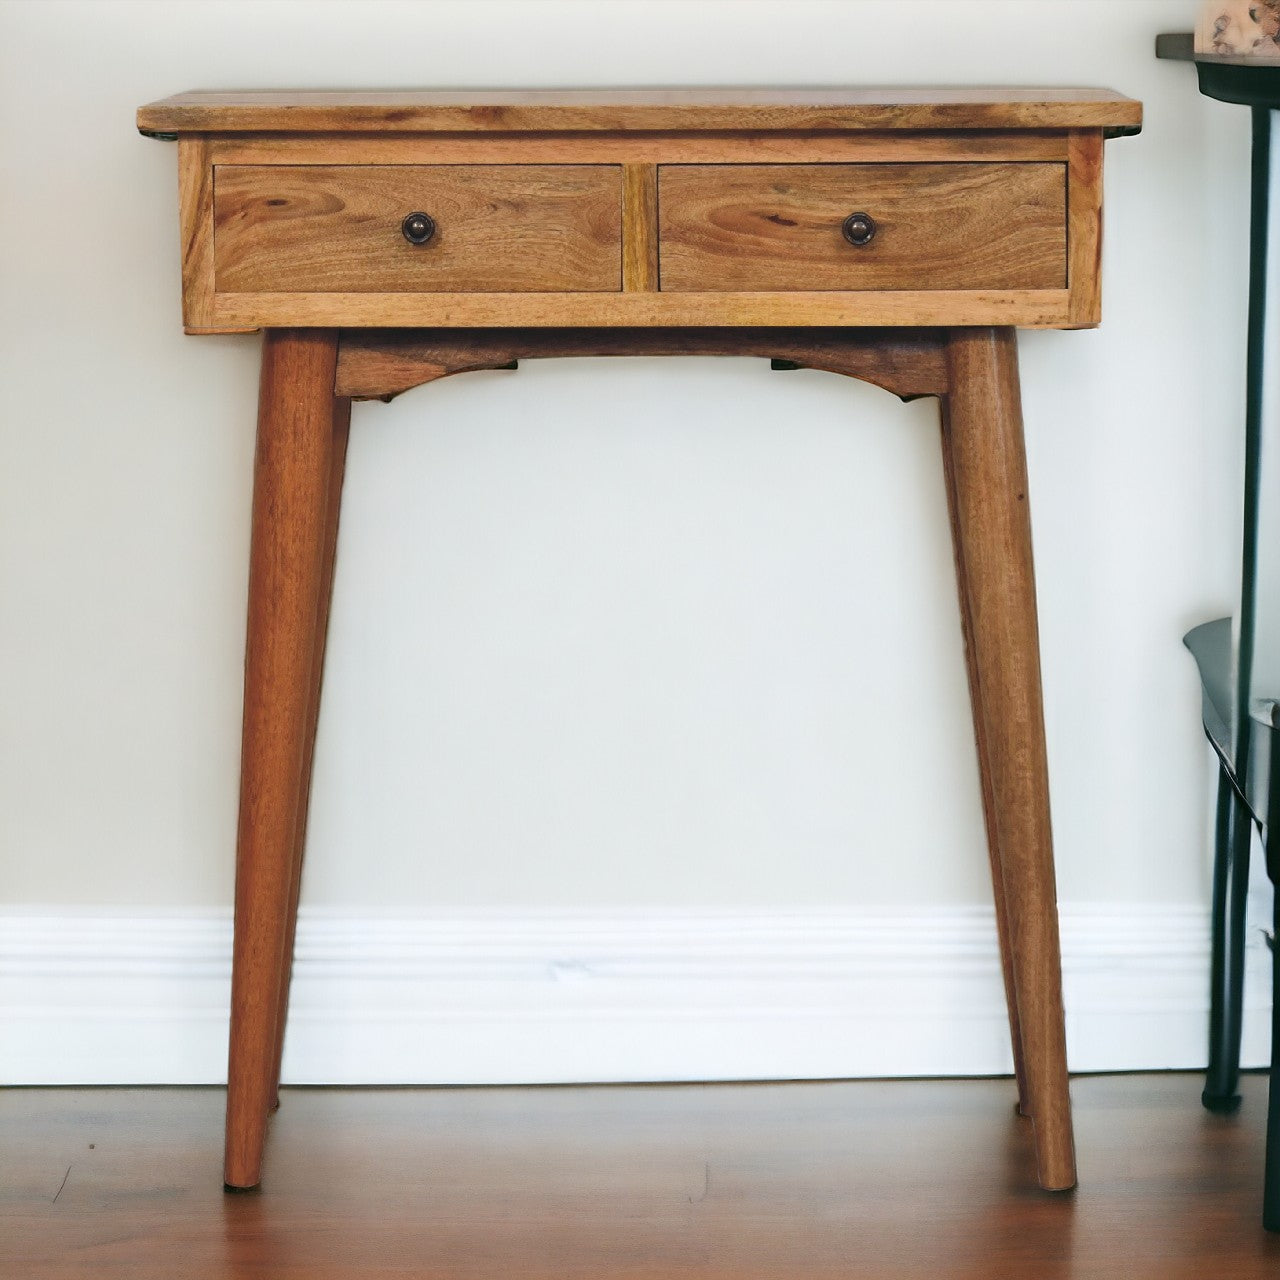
point(893, 1180)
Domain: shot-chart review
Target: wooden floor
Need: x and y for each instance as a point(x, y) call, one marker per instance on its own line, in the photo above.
point(898, 1180)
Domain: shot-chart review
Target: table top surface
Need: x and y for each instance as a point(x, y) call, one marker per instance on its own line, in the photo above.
point(620, 110)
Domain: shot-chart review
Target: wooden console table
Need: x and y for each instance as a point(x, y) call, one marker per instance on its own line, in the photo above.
point(383, 240)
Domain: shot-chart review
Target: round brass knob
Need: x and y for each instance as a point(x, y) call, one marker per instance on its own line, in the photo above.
point(859, 228)
point(418, 228)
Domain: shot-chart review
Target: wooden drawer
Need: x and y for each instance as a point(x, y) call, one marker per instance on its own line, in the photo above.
point(337, 228)
point(771, 227)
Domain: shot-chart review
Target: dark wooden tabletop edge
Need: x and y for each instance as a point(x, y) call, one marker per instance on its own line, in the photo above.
point(1177, 46)
point(1180, 46)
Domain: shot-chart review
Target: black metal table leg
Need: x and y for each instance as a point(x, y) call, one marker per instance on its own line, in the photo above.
point(1232, 832)
point(1233, 826)
point(1271, 1181)
point(1255, 84)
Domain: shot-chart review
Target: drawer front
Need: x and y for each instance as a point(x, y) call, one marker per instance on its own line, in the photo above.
point(496, 228)
point(771, 227)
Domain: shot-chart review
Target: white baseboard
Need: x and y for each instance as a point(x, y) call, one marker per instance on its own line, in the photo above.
point(539, 996)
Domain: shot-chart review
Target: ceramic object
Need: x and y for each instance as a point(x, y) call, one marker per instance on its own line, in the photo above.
point(1240, 28)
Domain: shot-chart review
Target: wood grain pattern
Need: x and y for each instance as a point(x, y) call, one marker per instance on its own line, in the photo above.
point(1027, 308)
point(662, 222)
point(640, 228)
point(336, 229)
point(939, 226)
point(328, 565)
point(292, 472)
point(864, 1180)
point(989, 817)
point(621, 110)
point(988, 466)
point(376, 364)
point(195, 211)
point(273, 271)
point(677, 147)
point(1084, 226)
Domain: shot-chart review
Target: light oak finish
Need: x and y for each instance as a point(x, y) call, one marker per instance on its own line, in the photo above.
point(640, 223)
point(988, 468)
point(865, 1180)
point(622, 110)
point(337, 229)
point(195, 206)
point(1025, 308)
point(640, 228)
point(783, 146)
point(761, 228)
point(1001, 266)
point(1084, 229)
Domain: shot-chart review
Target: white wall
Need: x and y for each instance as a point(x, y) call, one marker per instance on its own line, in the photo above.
point(619, 634)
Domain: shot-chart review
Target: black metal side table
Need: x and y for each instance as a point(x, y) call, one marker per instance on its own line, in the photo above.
point(1238, 723)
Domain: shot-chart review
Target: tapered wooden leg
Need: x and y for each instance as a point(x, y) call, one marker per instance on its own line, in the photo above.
point(988, 464)
point(984, 773)
point(341, 431)
point(292, 471)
